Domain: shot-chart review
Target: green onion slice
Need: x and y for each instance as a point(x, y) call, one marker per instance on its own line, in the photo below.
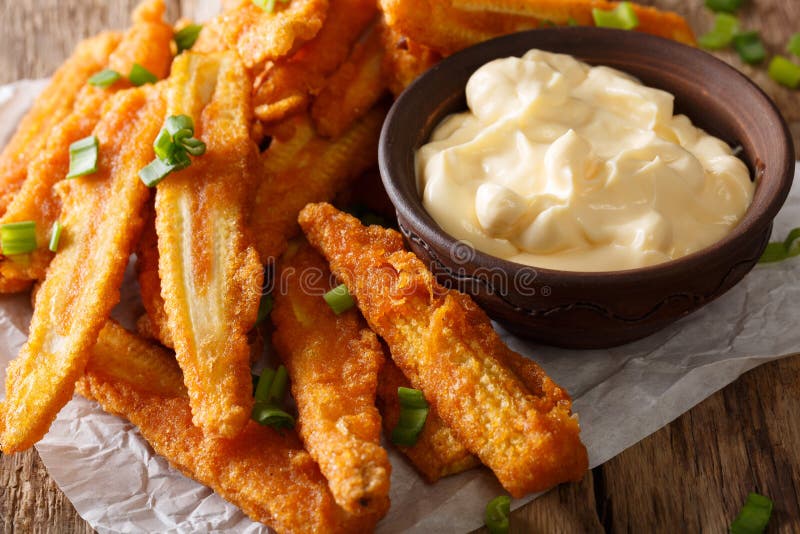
point(104, 78)
point(785, 72)
point(18, 237)
point(339, 299)
point(55, 236)
point(155, 171)
point(83, 157)
point(782, 250)
point(186, 37)
point(622, 17)
point(496, 516)
point(727, 6)
point(749, 47)
point(140, 75)
point(721, 35)
point(267, 5)
point(269, 393)
point(264, 308)
point(413, 414)
point(193, 146)
point(794, 44)
point(272, 416)
point(754, 516)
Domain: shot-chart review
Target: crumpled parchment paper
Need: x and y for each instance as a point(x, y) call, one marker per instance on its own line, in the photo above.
point(622, 395)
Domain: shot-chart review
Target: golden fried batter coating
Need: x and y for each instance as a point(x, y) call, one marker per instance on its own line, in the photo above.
point(404, 60)
point(446, 346)
point(152, 325)
point(147, 42)
point(333, 362)
point(210, 274)
point(353, 89)
point(437, 453)
point(451, 25)
point(285, 86)
point(102, 220)
point(314, 170)
point(259, 36)
point(264, 472)
point(55, 103)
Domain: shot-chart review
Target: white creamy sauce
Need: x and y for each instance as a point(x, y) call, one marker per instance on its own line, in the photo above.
point(565, 166)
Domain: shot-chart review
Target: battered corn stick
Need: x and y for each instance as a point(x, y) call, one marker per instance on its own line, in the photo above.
point(437, 453)
point(147, 43)
point(264, 472)
point(210, 274)
point(285, 86)
point(651, 20)
point(259, 36)
point(318, 170)
point(445, 344)
point(353, 89)
point(154, 323)
point(102, 221)
point(333, 362)
point(404, 60)
point(55, 103)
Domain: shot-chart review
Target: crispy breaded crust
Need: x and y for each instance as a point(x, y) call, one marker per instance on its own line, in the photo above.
point(285, 86)
point(315, 170)
point(147, 42)
point(153, 324)
point(55, 103)
point(404, 60)
point(210, 274)
point(264, 472)
point(102, 221)
point(445, 344)
point(651, 20)
point(437, 453)
point(259, 36)
point(353, 89)
point(333, 362)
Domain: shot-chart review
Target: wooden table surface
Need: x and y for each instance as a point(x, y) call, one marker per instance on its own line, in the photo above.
point(691, 476)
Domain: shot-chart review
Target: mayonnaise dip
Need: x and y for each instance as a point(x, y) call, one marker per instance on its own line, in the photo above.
point(565, 166)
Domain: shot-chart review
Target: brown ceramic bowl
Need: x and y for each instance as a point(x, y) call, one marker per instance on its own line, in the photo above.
point(590, 309)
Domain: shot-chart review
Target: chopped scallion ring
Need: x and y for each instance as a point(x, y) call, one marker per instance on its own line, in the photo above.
point(749, 47)
point(272, 416)
point(727, 6)
point(172, 146)
point(155, 171)
point(721, 36)
point(140, 75)
point(104, 78)
point(176, 123)
point(18, 237)
point(496, 516)
point(269, 393)
point(264, 308)
point(622, 17)
point(83, 157)
point(163, 145)
point(413, 414)
point(55, 236)
point(186, 37)
point(193, 146)
point(782, 250)
point(794, 44)
point(339, 299)
point(785, 72)
point(754, 516)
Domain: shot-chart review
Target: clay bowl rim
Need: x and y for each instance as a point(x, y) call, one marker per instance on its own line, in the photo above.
point(410, 209)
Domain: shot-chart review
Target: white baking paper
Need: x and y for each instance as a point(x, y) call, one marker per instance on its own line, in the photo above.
point(622, 395)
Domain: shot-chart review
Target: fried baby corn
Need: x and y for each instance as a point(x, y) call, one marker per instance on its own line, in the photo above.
point(404, 60)
point(561, 12)
point(259, 36)
point(55, 103)
point(333, 362)
point(101, 217)
point(264, 472)
point(210, 274)
point(353, 89)
point(437, 453)
point(147, 43)
point(313, 170)
point(445, 344)
point(286, 86)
